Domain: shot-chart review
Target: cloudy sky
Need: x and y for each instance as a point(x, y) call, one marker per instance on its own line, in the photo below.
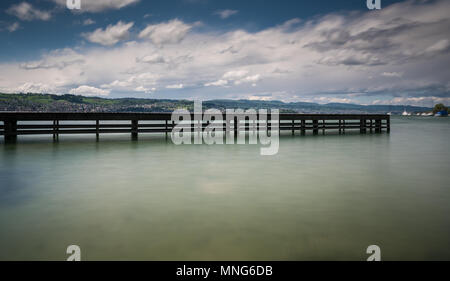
point(320, 51)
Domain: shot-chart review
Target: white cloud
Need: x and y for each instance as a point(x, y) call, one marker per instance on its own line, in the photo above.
point(89, 91)
point(325, 100)
point(224, 14)
point(145, 90)
point(166, 33)
point(35, 88)
point(235, 74)
point(153, 58)
point(133, 82)
point(58, 59)
point(94, 6)
point(110, 35)
point(248, 79)
point(220, 82)
point(13, 27)
point(175, 86)
point(260, 98)
point(239, 77)
point(27, 12)
point(88, 22)
point(439, 46)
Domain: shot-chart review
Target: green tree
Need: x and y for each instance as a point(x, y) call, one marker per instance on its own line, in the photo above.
point(439, 107)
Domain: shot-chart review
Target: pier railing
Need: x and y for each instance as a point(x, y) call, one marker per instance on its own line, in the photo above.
point(13, 124)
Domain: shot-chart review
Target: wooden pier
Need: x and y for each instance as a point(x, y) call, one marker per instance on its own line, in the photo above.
point(13, 124)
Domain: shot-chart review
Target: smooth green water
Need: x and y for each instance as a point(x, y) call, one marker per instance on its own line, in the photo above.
point(321, 197)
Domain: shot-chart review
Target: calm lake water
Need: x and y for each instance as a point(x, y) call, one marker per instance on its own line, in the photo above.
point(321, 197)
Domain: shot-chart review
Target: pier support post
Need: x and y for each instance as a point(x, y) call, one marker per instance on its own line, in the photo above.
point(269, 125)
point(303, 127)
point(388, 125)
point(173, 126)
point(340, 126)
point(377, 126)
point(55, 130)
point(167, 128)
point(235, 127)
point(247, 124)
point(362, 126)
point(97, 129)
point(323, 127)
point(257, 124)
point(293, 127)
point(315, 127)
point(134, 129)
point(10, 131)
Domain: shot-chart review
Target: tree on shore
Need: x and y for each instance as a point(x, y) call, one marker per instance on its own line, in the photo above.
point(439, 107)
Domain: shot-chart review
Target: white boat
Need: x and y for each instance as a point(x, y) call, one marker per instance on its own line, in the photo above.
point(405, 113)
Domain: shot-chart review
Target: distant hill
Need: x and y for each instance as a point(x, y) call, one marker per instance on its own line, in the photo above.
point(72, 103)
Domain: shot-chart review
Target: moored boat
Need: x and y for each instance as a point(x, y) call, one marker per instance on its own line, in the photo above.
point(442, 113)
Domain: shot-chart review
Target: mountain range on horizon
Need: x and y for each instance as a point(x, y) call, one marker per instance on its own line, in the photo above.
point(75, 103)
